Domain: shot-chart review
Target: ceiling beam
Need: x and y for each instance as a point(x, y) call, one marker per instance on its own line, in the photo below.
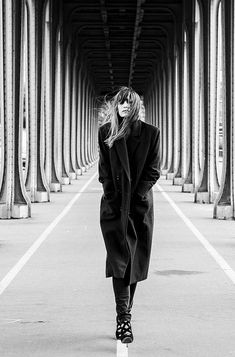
point(104, 16)
point(135, 43)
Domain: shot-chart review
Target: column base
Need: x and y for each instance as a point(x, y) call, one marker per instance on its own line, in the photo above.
point(78, 172)
point(72, 175)
point(21, 211)
point(178, 181)
point(164, 172)
point(188, 187)
point(84, 169)
point(202, 197)
point(170, 176)
point(42, 196)
point(65, 180)
point(55, 187)
point(223, 212)
point(17, 211)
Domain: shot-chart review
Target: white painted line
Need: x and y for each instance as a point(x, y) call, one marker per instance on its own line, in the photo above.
point(24, 259)
point(122, 349)
point(211, 250)
point(13, 321)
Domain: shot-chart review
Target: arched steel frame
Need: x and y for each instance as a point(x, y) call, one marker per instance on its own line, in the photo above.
point(44, 84)
point(48, 94)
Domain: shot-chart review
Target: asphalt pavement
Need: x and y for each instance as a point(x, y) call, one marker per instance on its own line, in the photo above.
point(56, 302)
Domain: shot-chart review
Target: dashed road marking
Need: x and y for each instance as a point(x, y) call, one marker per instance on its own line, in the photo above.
point(5, 282)
point(210, 249)
point(122, 349)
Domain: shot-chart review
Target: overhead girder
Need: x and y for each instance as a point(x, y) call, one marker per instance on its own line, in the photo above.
point(119, 29)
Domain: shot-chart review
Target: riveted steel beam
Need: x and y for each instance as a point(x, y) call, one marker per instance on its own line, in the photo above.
point(104, 16)
point(136, 35)
point(36, 181)
point(224, 203)
point(14, 202)
point(66, 177)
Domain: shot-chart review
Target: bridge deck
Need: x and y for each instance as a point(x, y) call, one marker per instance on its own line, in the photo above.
point(60, 304)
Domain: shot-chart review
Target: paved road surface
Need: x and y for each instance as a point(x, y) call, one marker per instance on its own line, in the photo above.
point(60, 304)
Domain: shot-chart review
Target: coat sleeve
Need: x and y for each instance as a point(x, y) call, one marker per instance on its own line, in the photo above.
point(105, 173)
point(152, 170)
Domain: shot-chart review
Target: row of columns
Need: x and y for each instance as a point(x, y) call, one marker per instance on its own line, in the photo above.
point(183, 102)
point(47, 95)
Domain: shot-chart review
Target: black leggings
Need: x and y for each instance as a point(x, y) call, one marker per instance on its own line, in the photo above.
point(124, 295)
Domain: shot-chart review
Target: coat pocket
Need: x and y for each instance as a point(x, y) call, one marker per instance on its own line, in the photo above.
point(108, 188)
point(143, 188)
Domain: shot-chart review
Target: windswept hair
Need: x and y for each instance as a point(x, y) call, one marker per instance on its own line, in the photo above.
point(110, 113)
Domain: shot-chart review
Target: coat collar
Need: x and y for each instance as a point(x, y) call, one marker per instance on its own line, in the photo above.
point(121, 147)
point(136, 128)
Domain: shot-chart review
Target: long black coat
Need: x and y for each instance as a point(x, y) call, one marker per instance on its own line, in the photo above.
point(126, 211)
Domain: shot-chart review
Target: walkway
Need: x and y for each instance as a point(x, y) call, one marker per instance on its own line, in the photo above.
point(61, 305)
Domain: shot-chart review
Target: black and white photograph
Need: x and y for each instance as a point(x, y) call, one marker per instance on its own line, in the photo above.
point(117, 178)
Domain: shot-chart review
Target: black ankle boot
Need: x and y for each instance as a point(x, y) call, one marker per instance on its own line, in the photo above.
point(118, 329)
point(124, 331)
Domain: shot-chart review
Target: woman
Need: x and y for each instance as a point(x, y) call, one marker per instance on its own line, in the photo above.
point(129, 165)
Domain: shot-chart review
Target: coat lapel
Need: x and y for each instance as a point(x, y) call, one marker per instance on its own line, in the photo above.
point(134, 138)
point(121, 149)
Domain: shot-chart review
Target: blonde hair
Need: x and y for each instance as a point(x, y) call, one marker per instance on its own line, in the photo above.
point(110, 113)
